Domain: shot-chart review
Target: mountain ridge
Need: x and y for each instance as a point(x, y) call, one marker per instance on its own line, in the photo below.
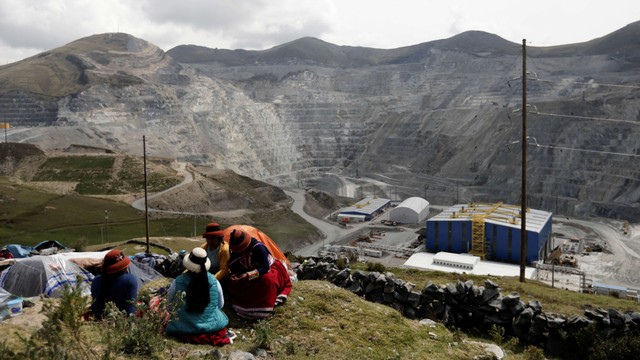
point(432, 119)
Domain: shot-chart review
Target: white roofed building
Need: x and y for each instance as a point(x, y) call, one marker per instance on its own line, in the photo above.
point(411, 211)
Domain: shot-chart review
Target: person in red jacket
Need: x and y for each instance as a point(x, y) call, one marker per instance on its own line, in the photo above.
point(258, 282)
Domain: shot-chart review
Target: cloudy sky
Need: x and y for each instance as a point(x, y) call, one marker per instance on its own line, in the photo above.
point(28, 27)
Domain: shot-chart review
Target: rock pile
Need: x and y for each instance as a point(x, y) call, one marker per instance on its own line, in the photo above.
point(467, 306)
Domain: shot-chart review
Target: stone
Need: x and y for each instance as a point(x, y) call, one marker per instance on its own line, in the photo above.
point(490, 294)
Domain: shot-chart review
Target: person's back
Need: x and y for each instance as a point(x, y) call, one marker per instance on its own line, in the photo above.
point(211, 318)
point(199, 317)
point(115, 285)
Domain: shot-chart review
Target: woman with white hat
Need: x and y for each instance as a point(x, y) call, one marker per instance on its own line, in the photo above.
point(199, 317)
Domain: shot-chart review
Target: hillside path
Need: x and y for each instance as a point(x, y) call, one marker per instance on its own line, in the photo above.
point(183, 170)
point(331, 233)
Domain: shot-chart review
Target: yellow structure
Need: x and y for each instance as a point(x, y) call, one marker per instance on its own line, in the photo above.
point(479, 212)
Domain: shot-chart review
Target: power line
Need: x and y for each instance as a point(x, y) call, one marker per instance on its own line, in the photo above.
point(585, 117)
point(585, 150)
point(589, 83)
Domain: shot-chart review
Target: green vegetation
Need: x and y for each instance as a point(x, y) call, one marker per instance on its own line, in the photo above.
point(319, 321)
point(30, 216)
point(94, 175)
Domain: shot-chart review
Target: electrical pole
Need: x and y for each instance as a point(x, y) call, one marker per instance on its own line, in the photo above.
point(523, 201)
point(146, 205)
point(106, 225)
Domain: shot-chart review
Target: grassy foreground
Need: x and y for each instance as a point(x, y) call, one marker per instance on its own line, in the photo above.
point(320, 321)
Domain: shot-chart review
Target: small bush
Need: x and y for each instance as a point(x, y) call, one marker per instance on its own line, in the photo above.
point(62, 335)
point(533, 353)
point(141, 335)
point(264, 335)
point(376, 267)
point(497, 334)
point(342, 263)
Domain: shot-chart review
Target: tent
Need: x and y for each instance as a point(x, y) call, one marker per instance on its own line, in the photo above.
point(260, 236)
point(93, 259)
point(45, 275)
point(49, 244)
point(20, 251)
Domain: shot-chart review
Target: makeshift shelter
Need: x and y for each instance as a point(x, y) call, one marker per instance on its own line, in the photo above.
point(144, 273)
point(262, 237)
point(93, 260)
point(20, 251)
point(49, 247)
point(45, 275)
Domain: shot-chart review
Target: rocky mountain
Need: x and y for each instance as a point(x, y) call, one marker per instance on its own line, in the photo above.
point(440, 119)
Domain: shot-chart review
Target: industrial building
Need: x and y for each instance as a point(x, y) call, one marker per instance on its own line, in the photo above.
point(411, 211)
point(364, 210)
point(490, 231)
point(464, 263)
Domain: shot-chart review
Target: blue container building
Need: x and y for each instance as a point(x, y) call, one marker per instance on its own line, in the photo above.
point(491, 231)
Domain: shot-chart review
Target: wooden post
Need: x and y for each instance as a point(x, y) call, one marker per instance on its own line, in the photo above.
point(146, 205)
point(523, 201)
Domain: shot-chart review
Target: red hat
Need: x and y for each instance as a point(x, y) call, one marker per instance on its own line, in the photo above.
point(239, 240)
point(114, 262)
point(213, 230)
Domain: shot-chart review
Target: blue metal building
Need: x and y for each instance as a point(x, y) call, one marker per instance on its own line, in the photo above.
point(365, 209)
point(491, 231)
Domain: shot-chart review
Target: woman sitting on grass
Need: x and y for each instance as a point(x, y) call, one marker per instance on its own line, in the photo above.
point(115, 284)
point(258, 282)
point(199, 318)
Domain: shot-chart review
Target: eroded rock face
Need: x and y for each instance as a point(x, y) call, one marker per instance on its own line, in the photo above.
point(436, 120)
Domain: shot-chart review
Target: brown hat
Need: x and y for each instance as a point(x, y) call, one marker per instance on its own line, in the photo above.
point(213, 230)
point(239, 240)
point(114, 262)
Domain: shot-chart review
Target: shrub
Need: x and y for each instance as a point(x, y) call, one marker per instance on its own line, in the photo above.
point(141, 335)
point(264, 335)
point(63, 334)
point(376, 267)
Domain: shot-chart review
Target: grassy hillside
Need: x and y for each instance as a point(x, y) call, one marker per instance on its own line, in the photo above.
point(69, 211)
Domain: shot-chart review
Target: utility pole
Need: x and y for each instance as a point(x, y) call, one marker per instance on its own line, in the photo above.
point(523, 201)
point(146, 205)
point(457, 192)
point(106, 225)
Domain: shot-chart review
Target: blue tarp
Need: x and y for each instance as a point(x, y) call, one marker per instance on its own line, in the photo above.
point(19, 251)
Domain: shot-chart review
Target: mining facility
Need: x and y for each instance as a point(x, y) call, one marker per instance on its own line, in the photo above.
point(490, 231)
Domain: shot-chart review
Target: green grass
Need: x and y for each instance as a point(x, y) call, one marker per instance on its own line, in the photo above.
point(94, 175)
point(30, 216)
point(322, 321)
